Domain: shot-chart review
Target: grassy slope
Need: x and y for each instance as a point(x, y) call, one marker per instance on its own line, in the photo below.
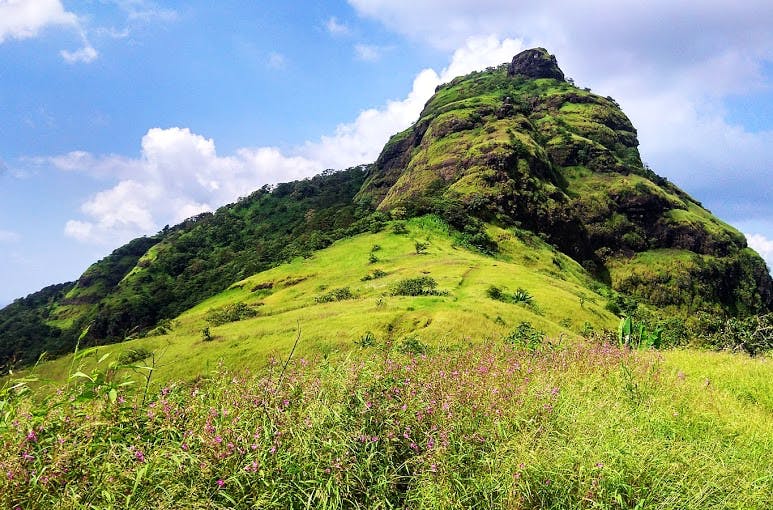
point(465, 315)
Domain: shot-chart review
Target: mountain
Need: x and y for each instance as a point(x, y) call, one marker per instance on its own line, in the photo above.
point(515, 161)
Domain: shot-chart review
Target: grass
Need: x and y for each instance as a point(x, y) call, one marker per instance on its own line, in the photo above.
point(484, 426)
point(564, 303)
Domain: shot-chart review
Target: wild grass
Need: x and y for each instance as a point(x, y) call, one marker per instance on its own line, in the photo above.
point(488, 426)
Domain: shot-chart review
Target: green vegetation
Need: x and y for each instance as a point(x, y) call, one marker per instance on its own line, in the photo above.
point(590, 425)
point(230, 313)
point(419, 286)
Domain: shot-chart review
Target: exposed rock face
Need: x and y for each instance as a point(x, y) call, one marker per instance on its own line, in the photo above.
point(535, 63)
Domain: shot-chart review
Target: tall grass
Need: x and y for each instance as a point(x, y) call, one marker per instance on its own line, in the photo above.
point(585, 426)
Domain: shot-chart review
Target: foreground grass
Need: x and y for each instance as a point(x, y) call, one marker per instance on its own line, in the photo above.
point(585, 426)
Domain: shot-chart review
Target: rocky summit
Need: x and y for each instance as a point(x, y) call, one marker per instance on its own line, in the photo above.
point(535, 63)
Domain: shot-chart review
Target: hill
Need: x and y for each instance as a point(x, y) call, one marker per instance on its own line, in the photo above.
point(512, 151)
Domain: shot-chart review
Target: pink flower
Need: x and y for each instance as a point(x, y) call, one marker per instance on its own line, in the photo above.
point(139, 455)
point(220, 483)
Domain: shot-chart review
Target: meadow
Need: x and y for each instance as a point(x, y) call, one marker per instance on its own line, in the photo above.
point(492, 425)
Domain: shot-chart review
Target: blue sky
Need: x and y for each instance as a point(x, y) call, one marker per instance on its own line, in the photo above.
point(120, 116)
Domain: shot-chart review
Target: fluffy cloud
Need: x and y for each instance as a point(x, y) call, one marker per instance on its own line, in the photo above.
point(669, 64)
point(180, 173)
point(763, 246)
point(22, 19)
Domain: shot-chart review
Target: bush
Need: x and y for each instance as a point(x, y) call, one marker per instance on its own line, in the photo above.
point(131, 356)
point(421, 286)
point(338, 294)
point(399, 228)
point(525, 335)
point(377, 273)
point(230, 313)
point(412, 345)
point(421, 247)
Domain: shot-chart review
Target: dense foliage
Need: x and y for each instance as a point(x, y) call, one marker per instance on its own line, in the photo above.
point(156, 278)
point(24, 333)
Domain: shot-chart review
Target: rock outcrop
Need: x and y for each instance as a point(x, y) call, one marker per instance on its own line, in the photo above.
point(535, 63)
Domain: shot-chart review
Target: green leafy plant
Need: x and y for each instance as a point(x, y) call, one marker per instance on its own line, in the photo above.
point(366, 340)
point(412, 345)
point(421, 247)
point(526, 336)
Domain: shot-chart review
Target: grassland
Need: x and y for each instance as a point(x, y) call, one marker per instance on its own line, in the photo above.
point(586, 425)
point(284, 298)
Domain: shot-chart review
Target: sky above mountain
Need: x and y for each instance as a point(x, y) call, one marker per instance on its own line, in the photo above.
point(118, 117)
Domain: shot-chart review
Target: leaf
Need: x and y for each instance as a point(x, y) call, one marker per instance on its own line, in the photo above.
point(113, 395)
point(103, 358)
point(82, 375)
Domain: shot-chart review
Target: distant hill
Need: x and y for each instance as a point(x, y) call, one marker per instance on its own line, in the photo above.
point(513, 152)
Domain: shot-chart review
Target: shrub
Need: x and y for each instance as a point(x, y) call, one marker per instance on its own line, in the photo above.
point(421, 247)
point(412, 345)
point(131, 356)
point(399, 228)
point(206, 336)
point(525, 335)
point(494, 292)
point(420, 286)
point(230, 313)
point(377, 273)
point(338, 294)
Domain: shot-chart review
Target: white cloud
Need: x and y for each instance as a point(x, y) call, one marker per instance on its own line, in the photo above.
point(6, 236)
point(180, 174)
point(763, 246)
point(23, 19)
point(276, 60)
point(84, 55)
point(368, 52)
point(335, 28)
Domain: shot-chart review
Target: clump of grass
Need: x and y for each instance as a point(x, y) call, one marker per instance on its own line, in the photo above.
point(588, 426)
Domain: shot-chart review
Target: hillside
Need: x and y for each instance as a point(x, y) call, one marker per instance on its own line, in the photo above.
point(510, 152)
point(345, 295)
